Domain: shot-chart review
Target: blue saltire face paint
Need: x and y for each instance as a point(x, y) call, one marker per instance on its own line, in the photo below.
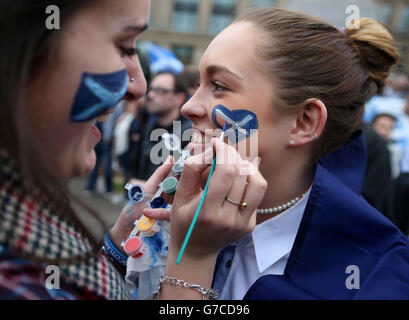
point(241, 123)
point(97, 94)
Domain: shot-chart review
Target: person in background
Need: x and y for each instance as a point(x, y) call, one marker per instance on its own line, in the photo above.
point(166, 95)
point(378, 166)
point(191, 76)
point(103, 152)
point(121, 135)
point(404, 165)
point(383, 124)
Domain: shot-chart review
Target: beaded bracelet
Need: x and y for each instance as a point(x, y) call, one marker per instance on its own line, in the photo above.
point(206, 293)
point(113, 252)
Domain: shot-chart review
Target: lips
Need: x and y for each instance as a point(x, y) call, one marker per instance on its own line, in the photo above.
point(200, 137)
point(197, 137)
point(97, 134)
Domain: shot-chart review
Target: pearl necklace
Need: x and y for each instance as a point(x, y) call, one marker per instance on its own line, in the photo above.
point(282, 207)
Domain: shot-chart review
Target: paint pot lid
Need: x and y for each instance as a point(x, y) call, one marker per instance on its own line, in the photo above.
point(136, 193)
point(158, 202)
point(185, 154)
point(145, 224)
point(133, 245)
point(170, 184)
point(178, 168)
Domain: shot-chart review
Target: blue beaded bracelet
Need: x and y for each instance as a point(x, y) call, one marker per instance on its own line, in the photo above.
point(113, 251)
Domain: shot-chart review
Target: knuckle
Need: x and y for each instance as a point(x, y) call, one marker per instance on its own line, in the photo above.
point(263, 185)
point(191, 164)
point(230, 170)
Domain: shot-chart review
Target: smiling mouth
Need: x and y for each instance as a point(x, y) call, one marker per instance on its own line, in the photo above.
point(200, 137)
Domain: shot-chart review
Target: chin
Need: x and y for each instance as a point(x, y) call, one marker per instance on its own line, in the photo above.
point(85, 165)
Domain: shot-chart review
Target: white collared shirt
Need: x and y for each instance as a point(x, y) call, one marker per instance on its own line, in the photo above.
point(264, 251)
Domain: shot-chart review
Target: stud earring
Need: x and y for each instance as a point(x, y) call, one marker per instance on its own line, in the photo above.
point(314, 136)
point(292, 142)
point(132, 79)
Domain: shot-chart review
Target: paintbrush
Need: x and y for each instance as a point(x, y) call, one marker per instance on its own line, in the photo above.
point(192, 224)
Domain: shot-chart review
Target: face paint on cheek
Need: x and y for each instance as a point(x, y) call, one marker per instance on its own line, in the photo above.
point(241, 123)
point(97, 94)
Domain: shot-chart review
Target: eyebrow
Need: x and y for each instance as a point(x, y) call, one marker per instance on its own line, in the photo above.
point(214, 69)
point(136, 29)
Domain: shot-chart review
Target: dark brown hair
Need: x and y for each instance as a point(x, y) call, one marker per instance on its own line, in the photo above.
point(28, 45)
point(308, 58)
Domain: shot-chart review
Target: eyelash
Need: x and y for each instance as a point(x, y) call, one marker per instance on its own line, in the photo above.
point(130, 52)
point(218, 88)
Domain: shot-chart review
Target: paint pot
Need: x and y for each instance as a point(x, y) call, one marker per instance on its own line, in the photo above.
point(146, 226)
point(169, 185)
point(158, 202)
point(135, 192)
point(133, 247)
point(178, 168)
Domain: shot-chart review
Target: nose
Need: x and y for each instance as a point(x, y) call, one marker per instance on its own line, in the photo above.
point(194, 110)
point(137, 82)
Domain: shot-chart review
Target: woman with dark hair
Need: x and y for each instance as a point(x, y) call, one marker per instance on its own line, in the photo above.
point(307, 82)
point(54, 85)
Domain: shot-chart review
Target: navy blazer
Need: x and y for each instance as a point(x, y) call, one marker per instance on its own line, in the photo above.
point(340, 229)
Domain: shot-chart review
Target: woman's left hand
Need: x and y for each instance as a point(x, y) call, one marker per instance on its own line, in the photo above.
point(125, 223)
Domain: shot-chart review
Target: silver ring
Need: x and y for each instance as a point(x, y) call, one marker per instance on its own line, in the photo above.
point(242, 205)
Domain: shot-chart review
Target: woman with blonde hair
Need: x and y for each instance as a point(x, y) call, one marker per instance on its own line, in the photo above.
point(307, 82)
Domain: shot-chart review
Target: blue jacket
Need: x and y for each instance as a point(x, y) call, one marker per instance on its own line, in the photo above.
point(340, 229)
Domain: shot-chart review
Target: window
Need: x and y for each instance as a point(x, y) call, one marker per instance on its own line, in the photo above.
point(403, 23)
point(263, 3)
point(184, 53)
point(222, 15)
point(185, 15)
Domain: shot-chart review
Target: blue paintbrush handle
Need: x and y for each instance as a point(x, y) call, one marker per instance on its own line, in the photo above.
point(192, 224)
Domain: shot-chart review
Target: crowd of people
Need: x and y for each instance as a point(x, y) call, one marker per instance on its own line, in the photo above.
point(386, 129)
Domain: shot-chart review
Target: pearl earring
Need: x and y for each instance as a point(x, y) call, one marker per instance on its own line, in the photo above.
point(132, 79)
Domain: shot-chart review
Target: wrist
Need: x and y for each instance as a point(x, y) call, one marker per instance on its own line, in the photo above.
point(189, 265)
point(190, 270)
point(116, 236)
point(114, 251)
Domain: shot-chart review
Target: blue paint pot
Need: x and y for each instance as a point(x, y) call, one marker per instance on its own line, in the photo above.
point(158, 202)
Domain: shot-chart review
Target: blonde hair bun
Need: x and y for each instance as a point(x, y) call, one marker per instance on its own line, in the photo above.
point(375, 47)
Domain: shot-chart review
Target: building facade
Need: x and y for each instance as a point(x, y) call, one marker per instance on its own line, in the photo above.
point(187, 26)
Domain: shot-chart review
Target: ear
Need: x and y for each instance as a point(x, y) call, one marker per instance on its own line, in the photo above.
point(310, 123)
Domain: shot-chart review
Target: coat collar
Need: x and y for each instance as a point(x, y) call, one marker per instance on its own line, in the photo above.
point(339, 228)
point(348, 164)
